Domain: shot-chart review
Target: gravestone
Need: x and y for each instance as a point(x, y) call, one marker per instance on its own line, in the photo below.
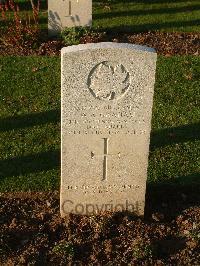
point(107, 97)
point(68, 13)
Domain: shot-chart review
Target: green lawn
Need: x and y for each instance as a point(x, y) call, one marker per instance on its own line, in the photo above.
point(30, 123)
point(136, 16)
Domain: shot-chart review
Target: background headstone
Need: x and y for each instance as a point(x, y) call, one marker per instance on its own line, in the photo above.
point(107, 97)
point(68, 13)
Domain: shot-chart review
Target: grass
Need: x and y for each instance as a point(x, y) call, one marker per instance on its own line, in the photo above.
point(30, 103)
point(139, 16)
point(136, 16)
point(30, 123)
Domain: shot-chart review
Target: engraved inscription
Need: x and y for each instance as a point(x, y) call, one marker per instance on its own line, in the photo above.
point(108, 81)
point(90, 189)
point(106, 119)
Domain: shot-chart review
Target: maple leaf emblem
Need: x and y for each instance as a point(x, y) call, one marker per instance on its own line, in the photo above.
point(109, 81)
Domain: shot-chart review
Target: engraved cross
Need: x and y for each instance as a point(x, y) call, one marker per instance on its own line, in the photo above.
point(70, 7)
point(105, 156)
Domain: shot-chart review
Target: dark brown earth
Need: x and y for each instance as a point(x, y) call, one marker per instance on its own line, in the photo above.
point(32, 232)
point(166, 44)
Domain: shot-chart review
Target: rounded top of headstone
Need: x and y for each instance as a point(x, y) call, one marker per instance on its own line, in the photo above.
point(104, 45)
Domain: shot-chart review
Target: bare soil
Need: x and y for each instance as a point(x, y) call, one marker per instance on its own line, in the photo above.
point(165, 43)
point(32, 232)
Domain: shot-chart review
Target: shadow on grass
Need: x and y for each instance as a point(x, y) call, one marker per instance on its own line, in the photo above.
point(172, 197)
point(159, 138)
point(149, 12)
point(170, 136)
point(30, 164)
point(29, 120)
point(50, 160)
point(138, 1)
point(151, 26)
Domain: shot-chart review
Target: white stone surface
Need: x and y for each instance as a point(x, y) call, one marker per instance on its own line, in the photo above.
point(107, 97)
point(68, 13)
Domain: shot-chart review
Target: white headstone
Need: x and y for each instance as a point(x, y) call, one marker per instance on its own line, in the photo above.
point(68, 13)
point(107, 97)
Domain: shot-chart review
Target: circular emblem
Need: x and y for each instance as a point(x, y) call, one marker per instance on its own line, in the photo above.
point(108, 81)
